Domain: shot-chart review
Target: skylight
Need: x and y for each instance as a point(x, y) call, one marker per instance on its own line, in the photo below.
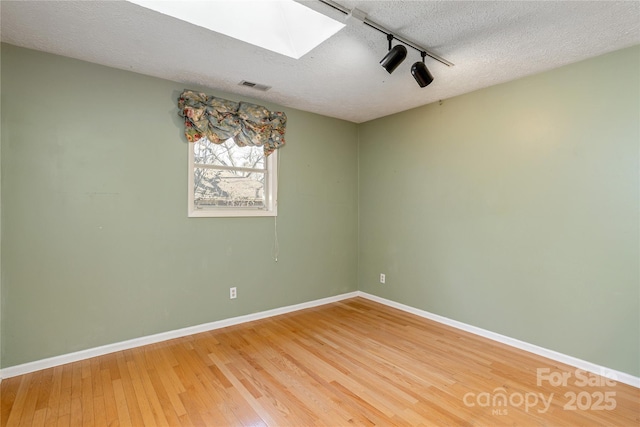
point(282, 26)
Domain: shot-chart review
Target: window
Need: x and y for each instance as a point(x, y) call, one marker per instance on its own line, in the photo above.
point(228, 180)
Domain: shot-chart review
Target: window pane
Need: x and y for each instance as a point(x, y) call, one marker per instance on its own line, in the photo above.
point(228, 188)
point(228, 154)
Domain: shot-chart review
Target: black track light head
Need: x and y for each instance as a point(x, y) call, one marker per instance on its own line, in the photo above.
point(394, 57)
point(421, 73)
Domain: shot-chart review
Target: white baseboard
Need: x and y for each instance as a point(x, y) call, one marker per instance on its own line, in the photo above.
point(26, 368)
point(38, 365)
point(531, 348)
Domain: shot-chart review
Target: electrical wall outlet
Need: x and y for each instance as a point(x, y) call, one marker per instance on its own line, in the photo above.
point(383, 278)
point(233, 293)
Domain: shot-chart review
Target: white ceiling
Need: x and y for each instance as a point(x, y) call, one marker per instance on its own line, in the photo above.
point(489, 43)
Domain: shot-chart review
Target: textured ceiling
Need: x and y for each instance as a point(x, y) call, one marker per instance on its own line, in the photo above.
point(489, 43)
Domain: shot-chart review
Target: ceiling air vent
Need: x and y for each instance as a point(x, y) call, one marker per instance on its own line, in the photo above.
point(256, 86)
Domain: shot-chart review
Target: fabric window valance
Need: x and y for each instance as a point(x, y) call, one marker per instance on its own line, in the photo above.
point(219, 119)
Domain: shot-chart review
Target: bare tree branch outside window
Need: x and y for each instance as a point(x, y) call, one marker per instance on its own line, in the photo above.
point(226, 175)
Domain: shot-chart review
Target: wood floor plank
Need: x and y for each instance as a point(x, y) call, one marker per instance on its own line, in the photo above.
point(252, 398)
point(146, 411)
point(121, 403)
point(39, 417)
point(64, 420)
point(64, 400)
point(53, 400)
point(164, 401)
point(8, 393)
point(195, 398)
point(108, 396)
point(132, 404)
point(88, 413)
point(350, 363)
point(76, 412)
point(31, 400)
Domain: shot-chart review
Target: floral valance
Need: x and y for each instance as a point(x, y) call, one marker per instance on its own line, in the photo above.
point(219, 119)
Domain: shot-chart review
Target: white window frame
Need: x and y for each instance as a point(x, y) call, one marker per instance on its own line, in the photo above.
point(271, 194)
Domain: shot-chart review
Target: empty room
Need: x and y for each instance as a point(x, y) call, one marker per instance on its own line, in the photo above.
point(319, 213)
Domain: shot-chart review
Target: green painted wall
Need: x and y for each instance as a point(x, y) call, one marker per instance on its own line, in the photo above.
point(96, 244)
point(1, 126)
point(515, 209)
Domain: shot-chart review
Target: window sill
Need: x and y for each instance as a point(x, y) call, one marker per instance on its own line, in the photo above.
point(230, 213)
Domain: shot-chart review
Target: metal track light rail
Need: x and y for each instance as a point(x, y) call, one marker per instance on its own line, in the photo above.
point(361, 16)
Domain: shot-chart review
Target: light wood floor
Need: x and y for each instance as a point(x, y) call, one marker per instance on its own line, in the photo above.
point(353, 362)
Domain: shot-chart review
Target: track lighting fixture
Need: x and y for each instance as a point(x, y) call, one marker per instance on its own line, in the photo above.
point(421, 73)
point(397, 54)
point(394, 57)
